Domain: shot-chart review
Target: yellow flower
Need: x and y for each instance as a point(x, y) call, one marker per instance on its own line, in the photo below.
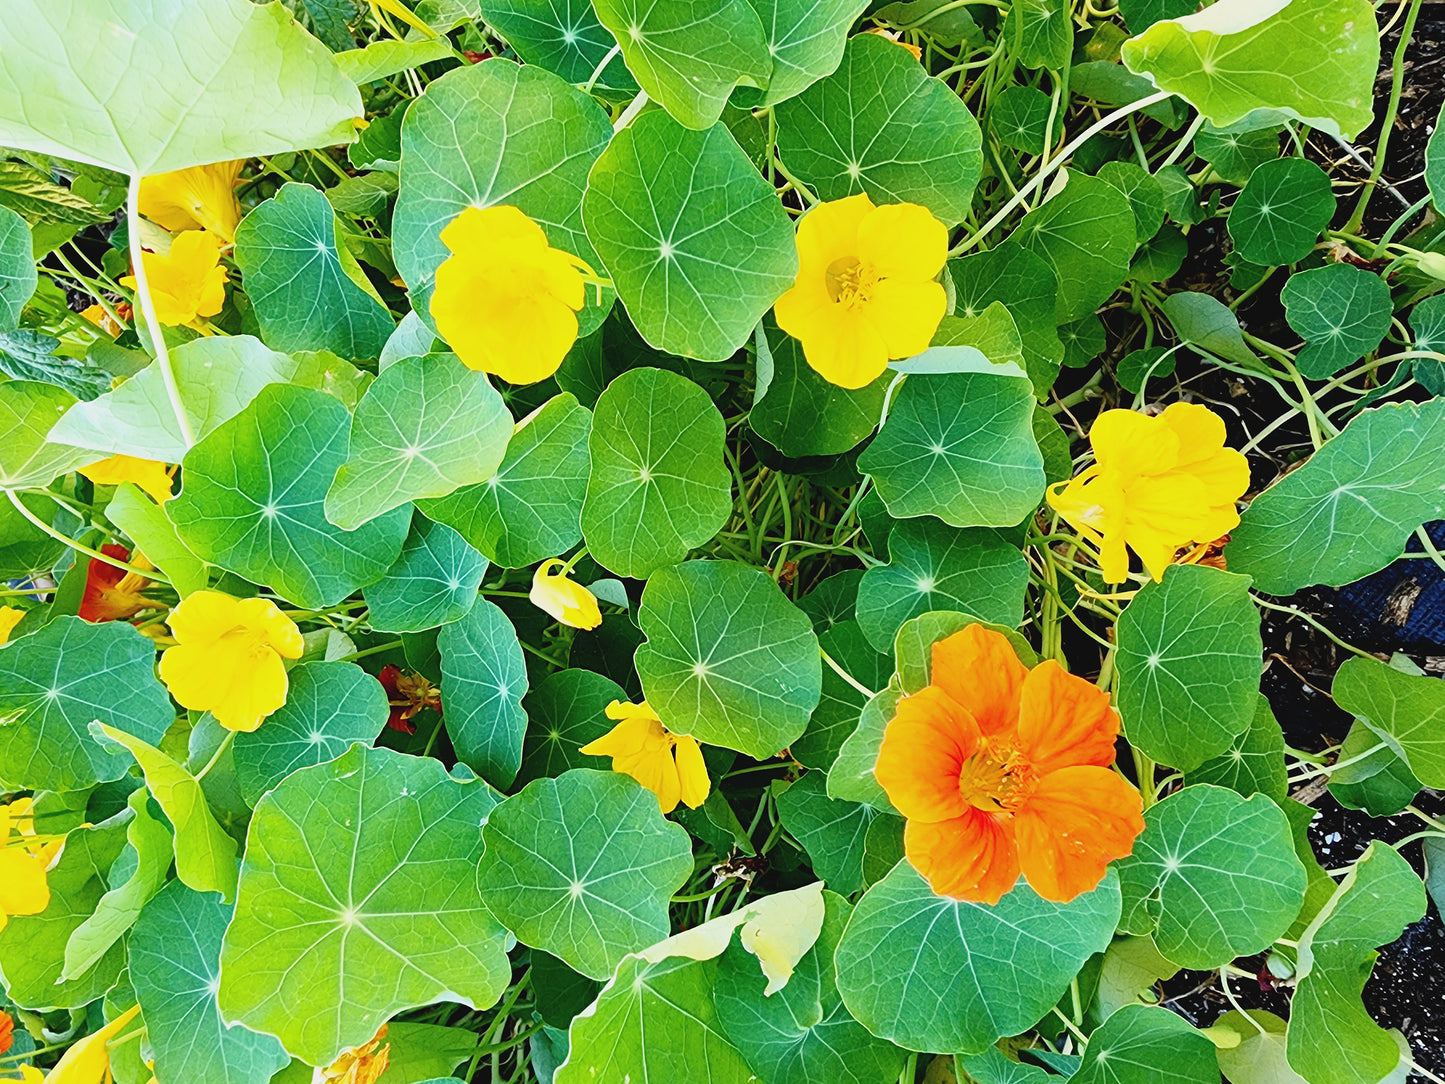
point(227, 659)
point(362, 1065)
point(88, 1061)
point(97, 315)
point(670, 765)
point(865, 292)
point(1157, 484)
point(566, 600)
point(199, 198)
point(188, 282)
point(9, 618)
point(23, 887)
point(149, 474)
point(505, 300)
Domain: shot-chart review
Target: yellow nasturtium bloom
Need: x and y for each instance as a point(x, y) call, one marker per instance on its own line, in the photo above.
point(9, 618)
point(566, 600)
point(505, 300)
point(865, 292)
point(670, 765)
point(199, 198)
point(23, 887)
point(1157, 484)
point(88, 1061)
point(149, 474)
point(362, 1065)
point(227, 658)
point(187, 283)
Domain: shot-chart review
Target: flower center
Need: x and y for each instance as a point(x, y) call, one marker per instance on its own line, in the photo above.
point(997, 778)
point(850, 281)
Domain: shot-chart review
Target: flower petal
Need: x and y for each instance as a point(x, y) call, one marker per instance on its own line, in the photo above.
point(278, 630)
point(907, 314)
point(691, 772)
point(972, 857)
point(628, 738)
point(1065, 720)
point(844, 347)
point(23, 888)
point(978, 669)
point(903, 241)
point(203, 616)
point(922, 755)
point(830, 232)
point(1076, 822)
point(1129, 443)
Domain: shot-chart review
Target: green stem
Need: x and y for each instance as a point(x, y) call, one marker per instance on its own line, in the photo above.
point(148, 573)
point(217, 755)
point(1387, 123)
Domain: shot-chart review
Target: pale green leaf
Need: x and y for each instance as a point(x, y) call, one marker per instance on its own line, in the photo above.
point(434, 581)
point(1404, 711)
point(390, 57)
point(805, 39)
point(483, 679)
point(28, 411)
point(155, 536)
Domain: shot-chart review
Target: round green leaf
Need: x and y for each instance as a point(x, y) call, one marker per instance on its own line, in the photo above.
point(659, 485)
point(881, 125)
point(696, 241)
point(329, 705)
point(253, 494)
point(728, 659)
point(805, 39)
point(1043, 32)
point(583, 866)
point(959, 446)
point(1142, 190)
point(1086, 235)
point(1018, 117)
point(831, 831)
point(1281, 211)
point(28, 410)
point(175, 965)
point(833, 601)
point(1237, 150)
point(1142, 1044)
point(425, 427)
point(1025, 283)
point(1254, 763)
point(483, 680)
point(434, 581)
point(357, 900)
point(1188, 665)
point(933, 973)
point(55, 682)
point(1341, 311)
point(18, 277)
point(1214, 876)
point(565, 711)
point(562, 36)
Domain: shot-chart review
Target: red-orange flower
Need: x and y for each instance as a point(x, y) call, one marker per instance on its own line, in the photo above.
point(407, 693)
point(1001, 769)
point(111, 593)
point(7, 1032)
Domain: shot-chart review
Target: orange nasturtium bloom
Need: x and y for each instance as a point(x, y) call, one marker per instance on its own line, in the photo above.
point(566, 600)
point(362, 1065)
point(506, 301)
point(149, 474)
point(1157, 484)
point(23, 887)
point(198, 198)
point(670, 765)
point(88, 1061)
point(999, 768)
point(113, 594)
point(187, 283)
point(865, 291)
point(227, 658)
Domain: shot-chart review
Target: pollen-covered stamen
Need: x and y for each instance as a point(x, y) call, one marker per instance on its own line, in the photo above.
point(850, 281)
point(997, 778)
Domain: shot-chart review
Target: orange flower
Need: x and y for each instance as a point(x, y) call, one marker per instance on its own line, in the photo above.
point(7, 1032)
point(111, 593)
point(1000, 769)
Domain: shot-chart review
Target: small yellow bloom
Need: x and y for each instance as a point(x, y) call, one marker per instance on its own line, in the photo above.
point(670, 765)
point(23, 887)
point(1157, 485)
point(88, 1061)
point(227, 659)
point(199, 198)
point(566, 600)
point(31, 1075)
point(9, 618)
point(187, 283)
point(360, 1066)
point(97, 315)
point(149, 474)
point(865, 291)
point(505, 300)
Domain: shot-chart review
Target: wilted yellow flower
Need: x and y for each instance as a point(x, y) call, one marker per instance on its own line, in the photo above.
point(9, 618)
point(199, 198)
point(1157, 484)
point(97, 315)
point(670, 765)
point(505, 300)
point(865, 291)
point(188, 282)
point(88, 1061)
point(23, 887)
point(362, 1065)
point(227, 659)
point(149, 474)
point(566, 600)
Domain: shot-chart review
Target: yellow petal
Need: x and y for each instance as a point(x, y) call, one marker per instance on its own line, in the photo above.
point(903, 240)
point(232, 678)
point(567, 601)
point(9, 618)
point(907, 314)
point(188, 282)
point(829, 232)
point(279, 631)
point(1131, 443)
point(693, 781)
point(148, 474)
point(201, 197)
point(845, 348)
point(88, 1061)
point(625, 709)
point(23, 887)
point(204, 615)
point(628, 738)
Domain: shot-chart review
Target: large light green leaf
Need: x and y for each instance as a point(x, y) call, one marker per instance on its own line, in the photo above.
point(1403, 710)
point(1086, 235)
point(1254, 762)
point(197, 81)
point(28, 411)
point(1143, 1044)
point(155, 536)
point(1188, 664)
point(805, 38)
point(1348, 510)
point(803, 414)
point(687, 56)
point(936, 567)
point(205, 854)
point(659, 485)
point(881, 125)
point(933, 973)
point(496, 133)
point(1341, 311)
point(531, 507)
point(483, 679)
point(329, 705)
point(18, 277)
point(582, 866)
point(833, 832)
point(58, 679)
point(1311, 60)
point(562, 36)
point(1279, 215)
point(959, 446)
point(565, 711)
point(298, 284)
point(696, 241)
point(1213, 877)
point(425, 427)
point(175, 966)
point(728, 659)
point(434, 581)
point(1331, 1038)
point(358, 899)
point(253, 495)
